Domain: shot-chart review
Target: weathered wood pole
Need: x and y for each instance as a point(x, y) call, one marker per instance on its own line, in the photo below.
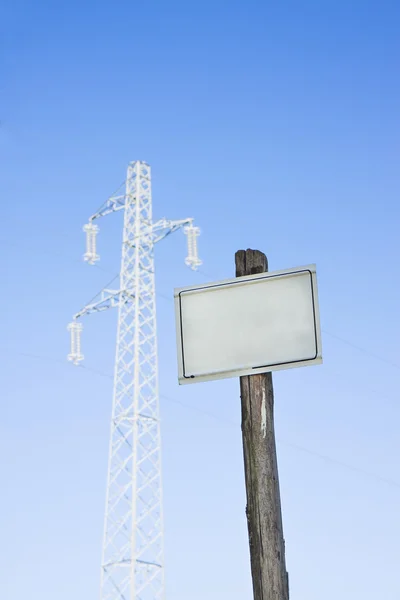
point(264, 516)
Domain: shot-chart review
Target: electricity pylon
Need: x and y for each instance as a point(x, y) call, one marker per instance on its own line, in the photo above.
point(132, 561)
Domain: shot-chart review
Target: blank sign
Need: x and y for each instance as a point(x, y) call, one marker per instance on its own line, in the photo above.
point(248, 325)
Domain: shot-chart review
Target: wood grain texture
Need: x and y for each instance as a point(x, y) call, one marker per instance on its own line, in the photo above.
point(264, 516)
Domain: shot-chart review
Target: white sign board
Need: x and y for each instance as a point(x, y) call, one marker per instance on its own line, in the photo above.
point(248, 325)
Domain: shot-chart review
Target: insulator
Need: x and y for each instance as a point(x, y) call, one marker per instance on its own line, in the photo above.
point(192, 259)
point(91, 255)
point(75, 356)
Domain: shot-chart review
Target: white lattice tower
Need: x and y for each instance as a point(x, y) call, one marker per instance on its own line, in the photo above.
point(132, 563)
point(132, 550)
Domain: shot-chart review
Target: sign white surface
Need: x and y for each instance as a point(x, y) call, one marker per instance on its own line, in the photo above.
point(248, 325)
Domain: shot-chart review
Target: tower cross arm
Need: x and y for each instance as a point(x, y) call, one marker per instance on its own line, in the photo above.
point(165, 227)
point(113, 204)
point(107, 299)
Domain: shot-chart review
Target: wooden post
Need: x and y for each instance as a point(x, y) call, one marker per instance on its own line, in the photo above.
point(264, 517)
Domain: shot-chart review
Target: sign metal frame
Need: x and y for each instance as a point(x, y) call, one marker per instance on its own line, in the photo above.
point(179, 293)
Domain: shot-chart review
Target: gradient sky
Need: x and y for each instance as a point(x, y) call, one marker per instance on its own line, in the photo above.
point(276, 125)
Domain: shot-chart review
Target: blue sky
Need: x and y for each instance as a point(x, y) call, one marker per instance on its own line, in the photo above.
point(276, 126)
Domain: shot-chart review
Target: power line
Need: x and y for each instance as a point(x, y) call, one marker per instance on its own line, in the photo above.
point(340, 463)
point(309, 451)
point(200, 411)
point(363, 350)
point(234, 424)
